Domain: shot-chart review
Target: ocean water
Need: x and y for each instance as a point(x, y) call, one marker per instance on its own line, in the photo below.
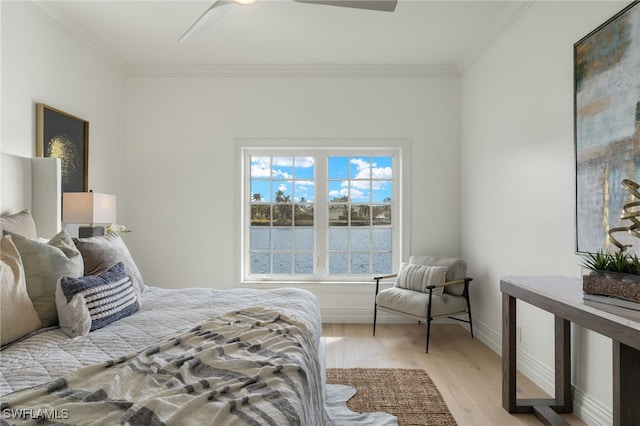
point(355, 250)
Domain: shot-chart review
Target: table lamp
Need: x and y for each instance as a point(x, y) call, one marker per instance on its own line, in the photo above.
point(88, 208)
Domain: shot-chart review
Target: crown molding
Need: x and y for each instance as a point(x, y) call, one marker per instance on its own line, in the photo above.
point(294, 70)
point(49, 11)
point(503, 22)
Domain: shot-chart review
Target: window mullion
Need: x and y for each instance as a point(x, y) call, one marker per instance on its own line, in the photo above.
point(365, 199)
point(322, 218)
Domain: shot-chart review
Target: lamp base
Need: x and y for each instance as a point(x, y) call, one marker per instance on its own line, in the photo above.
point(90, 231)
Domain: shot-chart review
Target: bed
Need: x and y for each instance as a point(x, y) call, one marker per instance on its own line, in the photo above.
point(193, 356)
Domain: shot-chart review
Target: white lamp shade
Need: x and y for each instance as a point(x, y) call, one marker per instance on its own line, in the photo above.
point(88, 207)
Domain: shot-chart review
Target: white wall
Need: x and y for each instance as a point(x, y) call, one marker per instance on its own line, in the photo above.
point(42, 63)
point(164, 145)
point(183, 171)
point(518, 185)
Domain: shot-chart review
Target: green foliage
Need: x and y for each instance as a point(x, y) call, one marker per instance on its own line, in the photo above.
point(615, 262)
point(596, 261)
point(635, 265)
point(619, 262)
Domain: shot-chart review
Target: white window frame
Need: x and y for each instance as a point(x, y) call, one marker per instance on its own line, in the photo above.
point(397, 148)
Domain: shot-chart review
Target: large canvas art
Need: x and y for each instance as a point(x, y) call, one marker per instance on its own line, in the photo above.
point(607, 129)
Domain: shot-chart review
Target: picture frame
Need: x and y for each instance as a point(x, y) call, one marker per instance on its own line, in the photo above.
point(607, 130)
point(62, 135)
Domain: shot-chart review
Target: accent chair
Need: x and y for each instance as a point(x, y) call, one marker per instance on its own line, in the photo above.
point(426, 288)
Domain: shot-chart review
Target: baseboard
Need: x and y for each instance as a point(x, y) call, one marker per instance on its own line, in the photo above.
point(365, 316)
point(589, 410)
point(359, 316)
point(586, 408)
point(488, 336)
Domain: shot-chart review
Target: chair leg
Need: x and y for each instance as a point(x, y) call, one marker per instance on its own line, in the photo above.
point(428, 332)
point(469, 311)
point(375, 314)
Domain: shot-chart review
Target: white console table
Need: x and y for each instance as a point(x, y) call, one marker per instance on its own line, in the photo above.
point(563, 297)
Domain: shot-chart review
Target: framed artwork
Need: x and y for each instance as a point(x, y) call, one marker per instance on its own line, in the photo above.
point(607, 130)
point(64, 136)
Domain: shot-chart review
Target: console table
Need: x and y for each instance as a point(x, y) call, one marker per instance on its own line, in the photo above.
point(563, 298)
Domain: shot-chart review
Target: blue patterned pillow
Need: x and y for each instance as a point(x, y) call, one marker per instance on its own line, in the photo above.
point(93, 301)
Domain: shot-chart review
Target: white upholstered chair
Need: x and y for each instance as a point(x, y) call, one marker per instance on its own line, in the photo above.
point(427, 288)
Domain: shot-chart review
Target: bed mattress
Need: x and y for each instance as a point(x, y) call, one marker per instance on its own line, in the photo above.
point(50, 354)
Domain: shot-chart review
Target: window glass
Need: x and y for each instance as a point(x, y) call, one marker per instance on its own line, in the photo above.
point(327, 214)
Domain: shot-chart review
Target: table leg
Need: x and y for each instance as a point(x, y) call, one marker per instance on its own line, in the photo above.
point(564, 402)
point(509, 353)
point(626, 384)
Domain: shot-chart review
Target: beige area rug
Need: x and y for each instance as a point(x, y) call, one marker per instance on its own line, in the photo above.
point(408, 394)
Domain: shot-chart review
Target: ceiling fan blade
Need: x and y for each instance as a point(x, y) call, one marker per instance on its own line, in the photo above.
point(381, 5)
point(216, 11)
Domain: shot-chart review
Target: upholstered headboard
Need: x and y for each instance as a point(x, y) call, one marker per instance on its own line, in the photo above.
point(34, 184)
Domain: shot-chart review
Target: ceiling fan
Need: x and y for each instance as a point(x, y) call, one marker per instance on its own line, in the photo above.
point(220, 7)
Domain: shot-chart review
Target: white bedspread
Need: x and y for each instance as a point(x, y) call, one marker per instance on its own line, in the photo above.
point(49, 355)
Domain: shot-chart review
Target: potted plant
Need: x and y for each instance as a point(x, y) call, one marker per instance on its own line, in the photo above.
point(612, 274)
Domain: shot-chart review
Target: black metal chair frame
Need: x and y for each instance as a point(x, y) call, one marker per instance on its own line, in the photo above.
point(429, 318)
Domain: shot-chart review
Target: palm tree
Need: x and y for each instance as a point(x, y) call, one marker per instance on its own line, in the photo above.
point(257, 197)
point(387, 206)
point(281, 198)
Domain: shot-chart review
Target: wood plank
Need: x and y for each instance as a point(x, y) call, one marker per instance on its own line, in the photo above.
point(467, 373)
point(549, 417)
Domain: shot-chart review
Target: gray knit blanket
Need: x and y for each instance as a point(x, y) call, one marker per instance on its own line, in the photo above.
point(252, 366)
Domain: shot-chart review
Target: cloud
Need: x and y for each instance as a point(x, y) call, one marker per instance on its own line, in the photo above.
point(260, 167)
point(367, 170)
point(336, 194)
point(304, 162)
point(381, 172)
point(266, 166)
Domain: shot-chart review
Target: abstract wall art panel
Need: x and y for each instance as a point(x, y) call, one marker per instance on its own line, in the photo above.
point(607, 129)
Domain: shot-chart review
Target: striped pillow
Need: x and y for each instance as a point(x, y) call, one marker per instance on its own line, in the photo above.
point(93, 301)
point(418, 277)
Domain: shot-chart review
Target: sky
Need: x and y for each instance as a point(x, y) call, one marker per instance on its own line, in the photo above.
point(361, 178)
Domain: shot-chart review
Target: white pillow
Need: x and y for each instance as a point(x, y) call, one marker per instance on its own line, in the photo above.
point(419, 277)
point(19, 223)
point(18, 317)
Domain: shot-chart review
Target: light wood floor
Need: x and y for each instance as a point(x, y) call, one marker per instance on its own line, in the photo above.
point(467, 373)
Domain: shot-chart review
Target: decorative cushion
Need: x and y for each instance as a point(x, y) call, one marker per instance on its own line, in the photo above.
point(18, 317)
point(44, 264)
point(457, 270)
point(419, 277)
point(19, 223)
point(101, 253)
point(416, 303)
point(93, 301)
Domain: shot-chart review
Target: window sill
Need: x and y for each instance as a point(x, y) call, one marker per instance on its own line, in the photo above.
point(281, 283)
